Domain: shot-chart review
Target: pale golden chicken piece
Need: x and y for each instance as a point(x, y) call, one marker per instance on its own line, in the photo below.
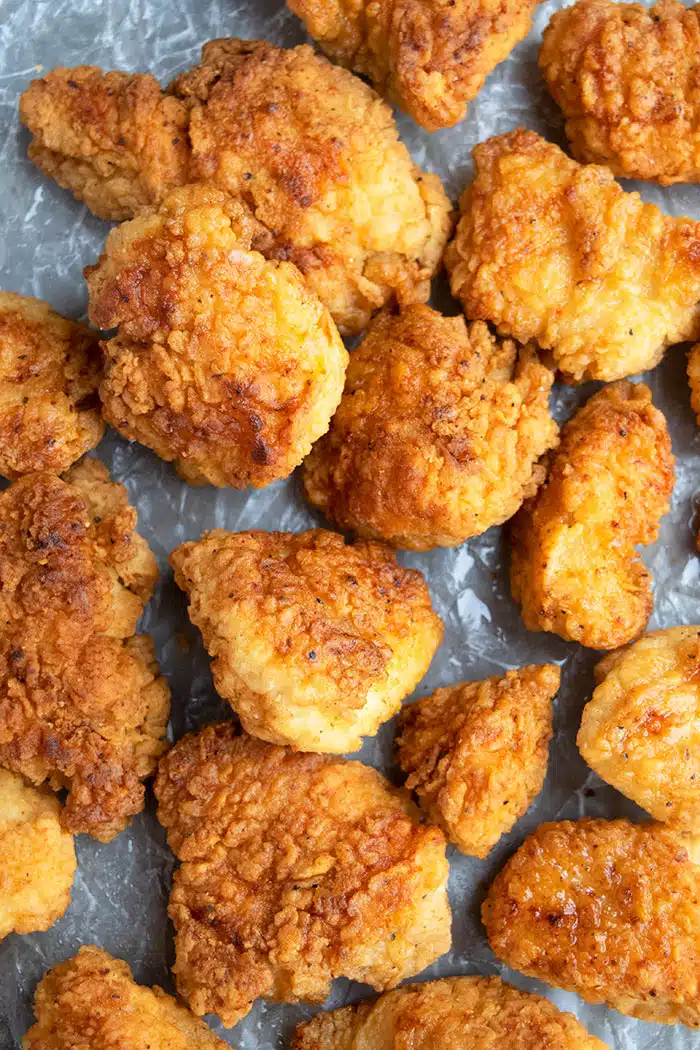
point(626, 77)
point(430, 57)
point(224, 362)
point(37, 857)
point(476, 753)
point(438, 435)
point(574, 566)
point(607, 909)
point(91, 1002)
point(314, 643)
point(82, 704)
point(296, 869)
point(551, 250)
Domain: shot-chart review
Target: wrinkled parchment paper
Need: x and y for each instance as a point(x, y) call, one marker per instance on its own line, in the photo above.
point(120, 894)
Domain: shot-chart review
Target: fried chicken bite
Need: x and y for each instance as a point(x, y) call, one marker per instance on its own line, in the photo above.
point(694, 379)
point(551, 250)
point(49, 373)
point(607, 909)
point(430, 57)
point(476, 753)
point(315, 643)
point(296, 869)
point(82, 705)
point(224, 362)
point(438, 434)
point(574, 567)
point(626, 78)
point(91, 1002)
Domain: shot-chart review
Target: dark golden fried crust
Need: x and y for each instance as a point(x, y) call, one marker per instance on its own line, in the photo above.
point(606, 909)
point(476, 753)
point(81, 702)
point(694, 379)
point(626, 78)
point(430, 57)
point(297, 868)
point(574, 568)
point(50, 369)
point(438, 434)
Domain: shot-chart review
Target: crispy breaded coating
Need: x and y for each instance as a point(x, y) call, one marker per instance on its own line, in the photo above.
point(91, 1002)
point(457, 1013)
point(694, 379)
point(476, 753)
point(555, 251)
point(50, 369)
point(640, 731)
point(296, 869)
point(607, 909)
point(574, 566)
point(430, 57)
point(626, 78)
point(438, 434)
point(37, 858)
point(82, 705)
point(315, 643)
point(224, 362)
point(113, 139)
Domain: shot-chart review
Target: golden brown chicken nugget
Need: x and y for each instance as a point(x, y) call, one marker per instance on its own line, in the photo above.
point(574, 568)
point(82, 705)
point(315, 642)
point(607, 909)
point(551, 250)
point(694, 379)
point(296, 869)
point(476, 753)
point(438, 434)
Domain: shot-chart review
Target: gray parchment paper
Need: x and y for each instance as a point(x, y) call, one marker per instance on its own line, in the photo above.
point(120, 895)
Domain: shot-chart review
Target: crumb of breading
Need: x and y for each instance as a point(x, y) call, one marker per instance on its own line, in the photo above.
point(574, 567)
point(82, 705)
point(296, 869)
point(315, 642)
point(555, 251)
point(476, 753)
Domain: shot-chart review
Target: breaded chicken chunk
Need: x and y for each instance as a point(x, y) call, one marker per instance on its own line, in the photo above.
point(626, 78)
point(82, 705)
point(641, 729)
point(224, 362)
point(50, 369)
point(296, 869)
point(430, 57)
point(555, 251)
point(607, 909)
point(476, 753)
point(457, 1013)
point(574, 567)
point(37, 857)
point(438, 435)
point(91, 1002)
point(694, 379)
point(315, 643)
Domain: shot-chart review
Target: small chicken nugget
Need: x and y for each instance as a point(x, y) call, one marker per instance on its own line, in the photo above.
point(694, 379)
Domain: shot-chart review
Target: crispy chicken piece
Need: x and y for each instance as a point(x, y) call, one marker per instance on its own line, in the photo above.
point(430, 57)
point(476, 753)
point(694, 379)
point(555, 251)
point(626, 78)
point(49, 373)
point(641, 729)
point(91, 1002)
point(438, 435)
point(457, 1013)
point(224, 362)
point(82, 705)
point(315, 643)
point(296, 869)
point(574, 567)
point(607, 909)
point(37, 858)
